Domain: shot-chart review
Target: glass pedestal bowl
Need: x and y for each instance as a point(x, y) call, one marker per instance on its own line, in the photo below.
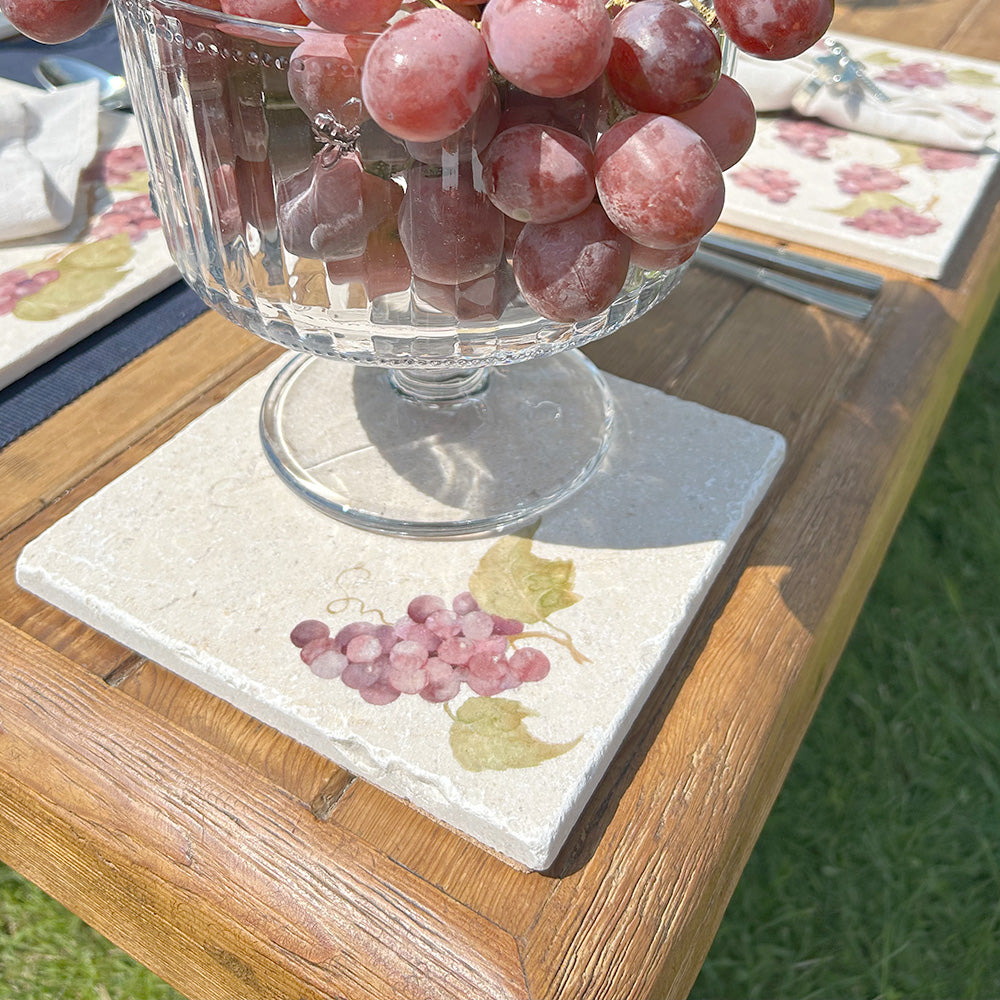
point(414, 406)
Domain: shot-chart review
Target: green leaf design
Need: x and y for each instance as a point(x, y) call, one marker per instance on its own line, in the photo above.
point(86, 274)
point(868, 200)
point(137, 182)
point(489, 734)
point(882, 58)
point(511, 581)
point(972, 77)
point(908, 153)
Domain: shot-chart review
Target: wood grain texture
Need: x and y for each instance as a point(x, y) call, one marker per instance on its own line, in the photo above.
point(168, 826)
point(236, 864)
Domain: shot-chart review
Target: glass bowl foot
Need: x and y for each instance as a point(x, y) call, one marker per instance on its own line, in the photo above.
point(436, 454)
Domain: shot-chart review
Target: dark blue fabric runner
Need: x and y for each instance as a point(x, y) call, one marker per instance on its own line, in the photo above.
point(48, 388)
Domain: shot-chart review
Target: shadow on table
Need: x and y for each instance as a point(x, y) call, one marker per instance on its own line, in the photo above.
point(675, 473)
point(856, 442)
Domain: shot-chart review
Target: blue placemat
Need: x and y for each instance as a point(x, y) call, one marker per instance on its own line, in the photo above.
point(51, 386)
point(18, 55)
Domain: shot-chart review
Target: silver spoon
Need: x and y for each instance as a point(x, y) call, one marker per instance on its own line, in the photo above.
point(57, 71)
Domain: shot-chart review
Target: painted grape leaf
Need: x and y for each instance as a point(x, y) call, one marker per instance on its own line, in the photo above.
point(86, 274)
point(489, 734)
point(137, 182)
point(513, 582)
point(972, 77)
point(882, 58)
point(868, 200)
point(909, 155)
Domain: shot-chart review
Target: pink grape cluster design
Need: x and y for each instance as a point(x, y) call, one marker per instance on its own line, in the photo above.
point(946, 159)
point(918, 74)
point(778, 186)
point(808, 138)
point(859, 177)
point(899, 221)
point(431, 651)
point(134, 216)
point(117, 165)
point(18, 283)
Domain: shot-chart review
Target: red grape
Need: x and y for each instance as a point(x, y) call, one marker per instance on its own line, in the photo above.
point(473, 137)
point(576, 113)
point(321, 210)
point(425, 75)
point(451, 232)
point(774, 29)
point(324, 74)
point(487, 297)
point(571, 270)
point(538, 174)
point(658, 181)
point(53, 21)
point(664, 58)
point(550, 49)
point(278, 11)
point(349, 16)
point(650, 259)
point(726, 120)
point(382, 269)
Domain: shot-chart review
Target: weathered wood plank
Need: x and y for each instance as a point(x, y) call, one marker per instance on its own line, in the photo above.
point(140, 824)
point(181, 829)
point(278, 758)
point(511, 898)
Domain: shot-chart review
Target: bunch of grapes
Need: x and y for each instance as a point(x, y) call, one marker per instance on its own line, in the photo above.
point(134, 216)
point(899, 221)
point(859, 177)
point(542, 144)
point(18, 283)
point(431, 651)
point(777, 185)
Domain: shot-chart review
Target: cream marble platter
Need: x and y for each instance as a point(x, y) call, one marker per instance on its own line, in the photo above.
point(199, 558)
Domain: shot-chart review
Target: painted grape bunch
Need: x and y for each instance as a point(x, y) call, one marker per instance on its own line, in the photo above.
point(477, 641)
point(431, 651)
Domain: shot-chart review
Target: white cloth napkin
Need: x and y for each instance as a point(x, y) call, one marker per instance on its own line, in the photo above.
point(828, 84)
point(47, 139)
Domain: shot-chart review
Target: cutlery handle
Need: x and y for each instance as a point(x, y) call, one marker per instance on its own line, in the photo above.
point(853, 278)
point(842, 303)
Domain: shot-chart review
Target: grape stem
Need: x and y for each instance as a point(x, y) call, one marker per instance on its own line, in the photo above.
point(340, 604)
point(563, 640)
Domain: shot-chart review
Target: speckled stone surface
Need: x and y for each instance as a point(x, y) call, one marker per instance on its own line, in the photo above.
point(199, 558)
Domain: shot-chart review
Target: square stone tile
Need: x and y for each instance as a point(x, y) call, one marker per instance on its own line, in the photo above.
point(199, 558)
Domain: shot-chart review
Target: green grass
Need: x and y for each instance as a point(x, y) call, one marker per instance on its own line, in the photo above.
point(878, 872)
point(48, 954)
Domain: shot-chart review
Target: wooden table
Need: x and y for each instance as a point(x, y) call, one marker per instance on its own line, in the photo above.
point(239, 865)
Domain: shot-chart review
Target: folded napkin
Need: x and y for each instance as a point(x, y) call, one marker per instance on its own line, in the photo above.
point(827, 83)
point(47, 139)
